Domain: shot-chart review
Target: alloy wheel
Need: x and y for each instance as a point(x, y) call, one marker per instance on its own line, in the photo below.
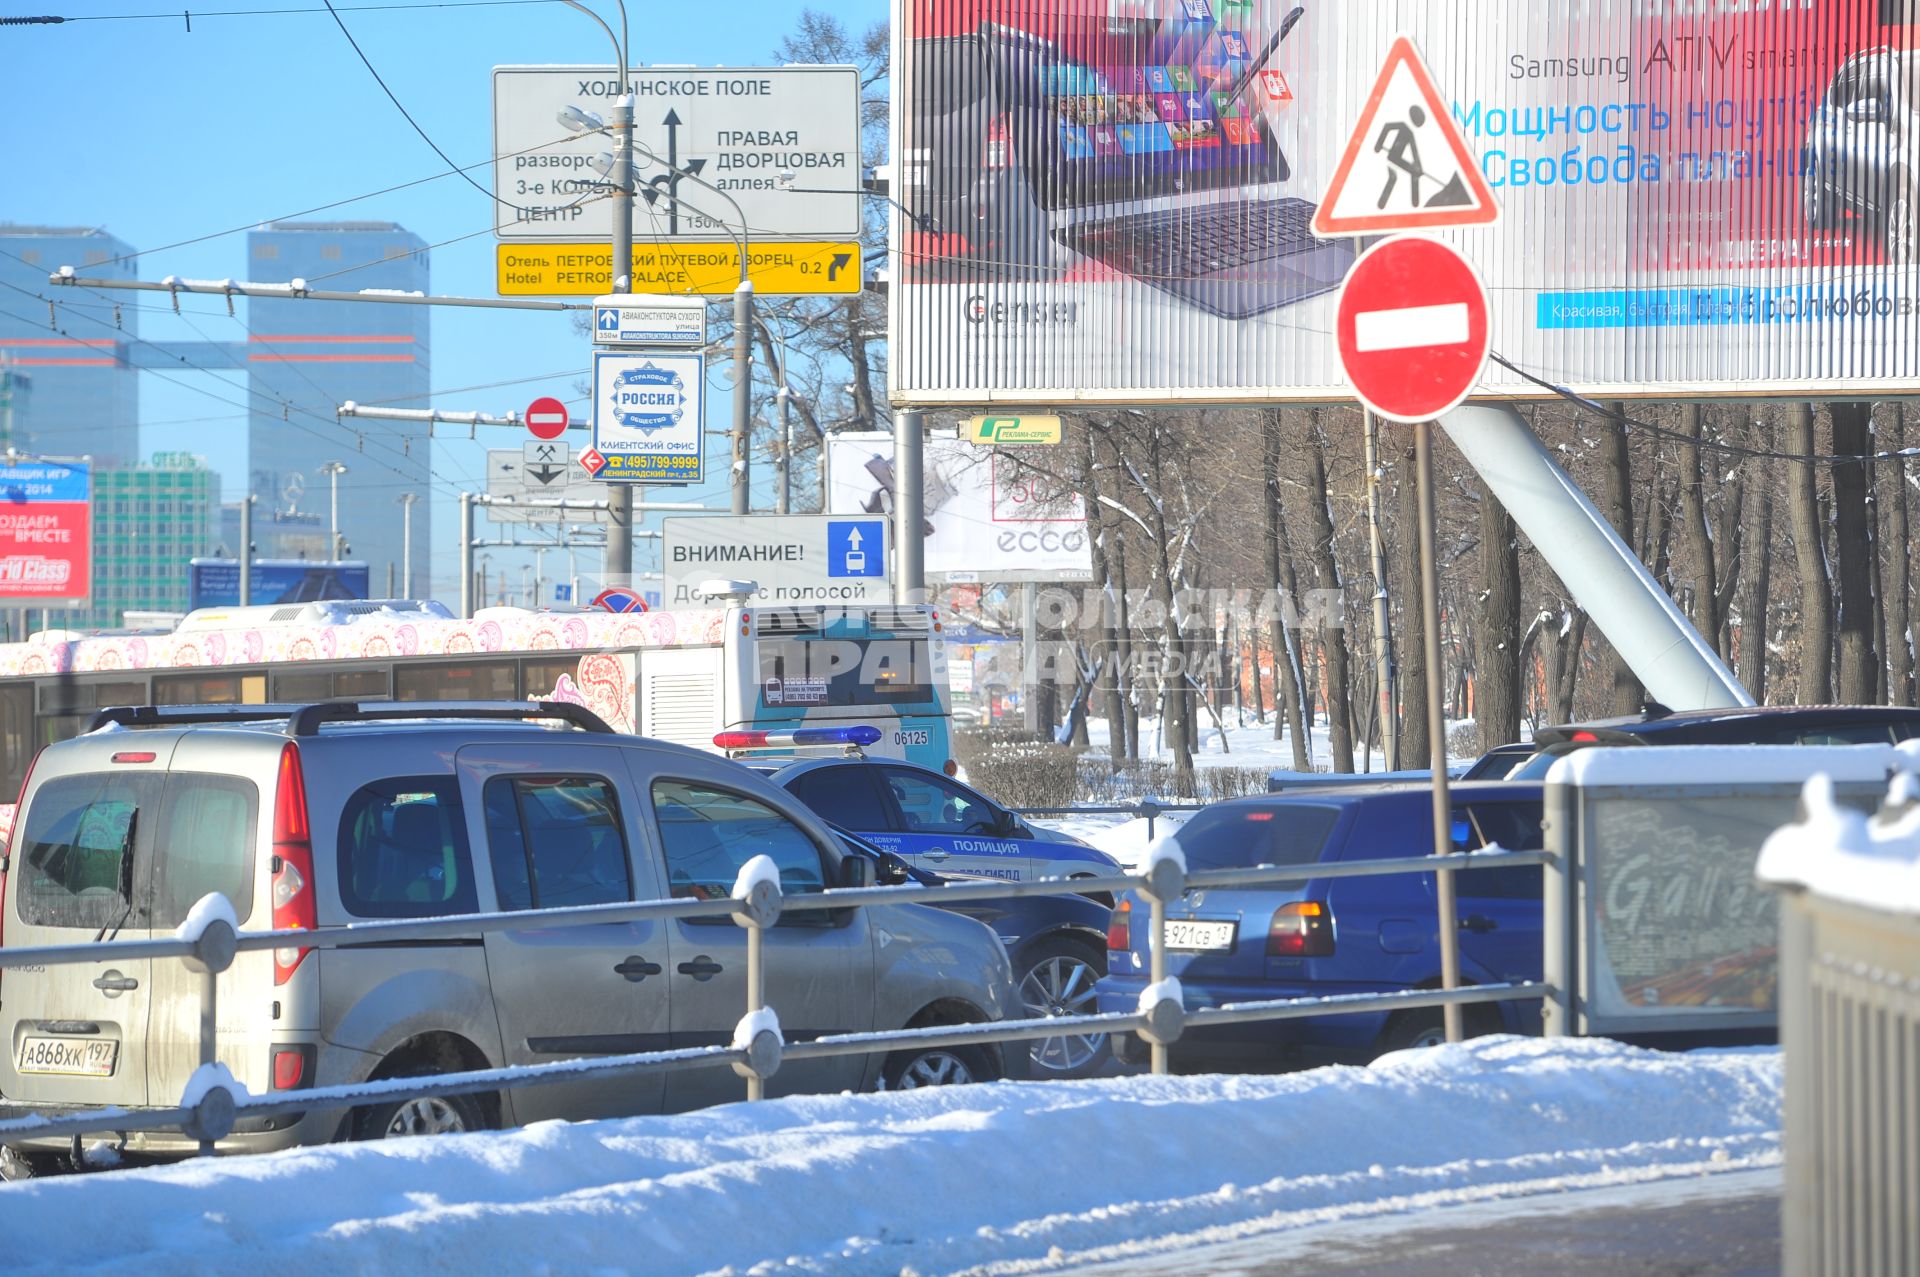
point(1062, 985)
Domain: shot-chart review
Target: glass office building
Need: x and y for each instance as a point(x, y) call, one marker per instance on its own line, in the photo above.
point(305, 358)
point(86, 392)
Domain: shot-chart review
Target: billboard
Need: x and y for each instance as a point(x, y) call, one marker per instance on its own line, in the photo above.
point(216, 582)
point(1111, 200)
point(46, 522)
point(991, 514)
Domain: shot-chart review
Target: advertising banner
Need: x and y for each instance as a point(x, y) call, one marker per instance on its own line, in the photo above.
point(990, 515)
point(46, 551)
point(216, 582)
point(1112, 200)
point(647, 415)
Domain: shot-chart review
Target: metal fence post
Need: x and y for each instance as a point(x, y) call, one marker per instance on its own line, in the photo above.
point(1157, 950)
point(756, 993)
point(209, 1031)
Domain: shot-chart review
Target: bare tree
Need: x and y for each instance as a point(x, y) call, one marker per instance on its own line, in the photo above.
point(1816, 597)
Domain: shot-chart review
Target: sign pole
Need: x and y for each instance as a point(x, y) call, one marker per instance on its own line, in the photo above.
point(742, 384)
point(1382, 620)
point(909, 512)
point(1437, 723)
point(619, 560)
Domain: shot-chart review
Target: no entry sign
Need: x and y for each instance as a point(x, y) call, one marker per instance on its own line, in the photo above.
point(547, 418)
point(1412, 328)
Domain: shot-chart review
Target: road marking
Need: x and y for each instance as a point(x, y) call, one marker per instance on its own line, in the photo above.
point(1410, 326)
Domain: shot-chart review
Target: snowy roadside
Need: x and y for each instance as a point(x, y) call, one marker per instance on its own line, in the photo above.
point(1004, 1178)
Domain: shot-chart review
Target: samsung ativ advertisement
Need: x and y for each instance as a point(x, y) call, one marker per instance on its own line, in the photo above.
point(1114, 200)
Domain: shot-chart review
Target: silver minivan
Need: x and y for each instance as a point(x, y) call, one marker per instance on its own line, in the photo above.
point(331, 814)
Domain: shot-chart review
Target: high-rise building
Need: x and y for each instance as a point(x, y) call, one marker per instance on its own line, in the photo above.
point(310, 357)
point(148, 521)
point(86, 392)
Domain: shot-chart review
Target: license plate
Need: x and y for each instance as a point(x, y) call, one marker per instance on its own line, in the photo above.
point(81, 1057)
point(1199, 937)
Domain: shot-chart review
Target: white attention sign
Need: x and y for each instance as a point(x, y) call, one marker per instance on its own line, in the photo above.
point(739, 129)
point(791, 558)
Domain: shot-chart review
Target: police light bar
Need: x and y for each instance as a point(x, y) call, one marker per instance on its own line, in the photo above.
point(798, 736)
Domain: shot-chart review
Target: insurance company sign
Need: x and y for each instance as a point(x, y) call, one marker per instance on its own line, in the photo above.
point(648, 413)
point(46, 551)
point(1695, 197)
point(783, 143)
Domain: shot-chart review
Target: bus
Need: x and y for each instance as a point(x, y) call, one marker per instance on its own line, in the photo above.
point(683, 676)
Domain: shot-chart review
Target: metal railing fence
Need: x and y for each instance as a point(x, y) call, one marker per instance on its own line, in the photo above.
point(1147, 809)
point(756, 904)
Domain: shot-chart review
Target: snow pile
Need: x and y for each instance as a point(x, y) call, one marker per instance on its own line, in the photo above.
point(1843, 855)
point(752, 1025)
point(211, 1077)
point(209, 909)
point(1021, 1177)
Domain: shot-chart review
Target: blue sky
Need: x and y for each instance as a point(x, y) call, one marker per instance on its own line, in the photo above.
point(160, 135)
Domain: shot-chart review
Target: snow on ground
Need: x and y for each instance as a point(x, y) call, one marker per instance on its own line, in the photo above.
point(1002, 1179)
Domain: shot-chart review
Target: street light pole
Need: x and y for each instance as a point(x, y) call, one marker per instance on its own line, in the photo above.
point(333, 470)
point(407, 501)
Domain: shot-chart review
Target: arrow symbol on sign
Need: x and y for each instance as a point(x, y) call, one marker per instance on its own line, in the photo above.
point(673, 169)
point(545, 474)
point(853, 538)
point(840, 262)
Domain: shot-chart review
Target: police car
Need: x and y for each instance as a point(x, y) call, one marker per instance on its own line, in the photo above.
point(931, 820)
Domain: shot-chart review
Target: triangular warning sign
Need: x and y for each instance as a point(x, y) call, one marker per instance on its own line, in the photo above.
point(1406, 167)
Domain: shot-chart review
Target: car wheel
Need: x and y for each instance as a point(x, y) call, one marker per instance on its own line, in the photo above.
point(1427, 1027)
point(420, 1115)
point(936, 1066)
point(1903, 246)
point(1058, 980)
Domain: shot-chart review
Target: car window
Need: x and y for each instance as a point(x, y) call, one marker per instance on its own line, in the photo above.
point(1848, 734)
point(78, 830)
point(1514, 827)
point(930, 805)
point(204, 844)
point(1268, 834)
point(709, 834)
point(846, 795)
point(555, 842)
point(403, 850)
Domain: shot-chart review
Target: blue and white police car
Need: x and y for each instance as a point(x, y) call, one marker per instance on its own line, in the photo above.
point(931, 820)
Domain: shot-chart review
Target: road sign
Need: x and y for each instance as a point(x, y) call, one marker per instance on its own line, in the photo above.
point(785, 268)
point(619, 320)
point(648, 413)
point(545, 452)
point(798, 558)
point(740, 128)
point(531, 491)
point(1407, 167)
point(1411, 326)
point(547, 418)
point(1004, 432)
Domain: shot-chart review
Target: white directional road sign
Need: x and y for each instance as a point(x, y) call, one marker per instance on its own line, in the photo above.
point(793, 558)
point(622, 320)
point(736, 128)
point(535, 482)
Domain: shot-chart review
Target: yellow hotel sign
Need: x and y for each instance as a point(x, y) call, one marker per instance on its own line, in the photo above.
point(784, 267)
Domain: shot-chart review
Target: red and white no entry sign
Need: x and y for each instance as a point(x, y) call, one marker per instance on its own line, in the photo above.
point(547, 418)
point(1412, 328)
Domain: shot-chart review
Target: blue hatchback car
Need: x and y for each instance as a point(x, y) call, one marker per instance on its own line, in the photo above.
point(1328, 936)
point(933, 821)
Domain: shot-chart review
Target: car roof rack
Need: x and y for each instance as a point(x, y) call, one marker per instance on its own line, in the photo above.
point(307, 719)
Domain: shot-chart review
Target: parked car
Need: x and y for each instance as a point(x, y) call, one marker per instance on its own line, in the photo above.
point(1499, 762)
point(327, 815)
point(1058, 945)
point(934, 821)
point(1745, 725)
point(1329, 936)
point(1862, 154)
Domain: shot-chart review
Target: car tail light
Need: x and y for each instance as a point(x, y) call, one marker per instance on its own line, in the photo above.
point(1120, 927)
point(293, 907)
point(1303, 929)
point(292, 1067)
point(6, 857)
point(1584, 738)
point(951, 767)
point(134, 756)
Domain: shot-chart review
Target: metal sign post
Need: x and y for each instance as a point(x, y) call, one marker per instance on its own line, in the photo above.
point(1437, 723)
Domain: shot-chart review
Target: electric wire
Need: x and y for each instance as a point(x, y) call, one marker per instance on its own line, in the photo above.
point(177, 14)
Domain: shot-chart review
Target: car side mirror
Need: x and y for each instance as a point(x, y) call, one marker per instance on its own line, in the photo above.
point(856, 871)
